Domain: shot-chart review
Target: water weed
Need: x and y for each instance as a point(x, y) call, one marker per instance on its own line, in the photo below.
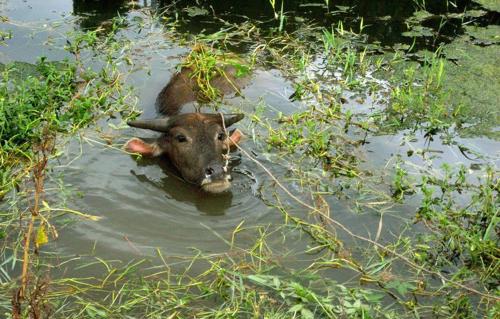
point(208, 64)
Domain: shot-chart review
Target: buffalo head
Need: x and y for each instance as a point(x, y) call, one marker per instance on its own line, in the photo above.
point(195, 143)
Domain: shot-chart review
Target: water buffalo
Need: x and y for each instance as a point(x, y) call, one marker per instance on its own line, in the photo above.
point(195, 143)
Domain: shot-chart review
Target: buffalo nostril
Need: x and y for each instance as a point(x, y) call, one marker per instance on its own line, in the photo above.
point(209, 171)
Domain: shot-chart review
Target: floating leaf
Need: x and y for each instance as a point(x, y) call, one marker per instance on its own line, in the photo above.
point(419, 17)
point(490, 34)
point(296, 308)
point(401, 287)
point(493, 5)
point(306, 313)
point(261, 279)
point(475, 13)
point(418, 31)
point(196, 11)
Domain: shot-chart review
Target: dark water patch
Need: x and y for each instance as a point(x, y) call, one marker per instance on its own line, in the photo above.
point(383, 22)
point(93, 13)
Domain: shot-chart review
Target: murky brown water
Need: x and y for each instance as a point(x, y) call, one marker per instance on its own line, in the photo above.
point(145, 205)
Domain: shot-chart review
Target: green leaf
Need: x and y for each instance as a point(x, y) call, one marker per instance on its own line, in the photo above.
point(263, 280)
point(41, 236)
point(401, 287)
point(373, 297)
point(296, 308)
point(306, 313)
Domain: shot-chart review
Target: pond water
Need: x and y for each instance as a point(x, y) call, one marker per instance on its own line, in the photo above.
point(143, 204)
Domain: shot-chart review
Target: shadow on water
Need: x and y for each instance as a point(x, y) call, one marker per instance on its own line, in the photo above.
point(384, 22)
point(93, 13)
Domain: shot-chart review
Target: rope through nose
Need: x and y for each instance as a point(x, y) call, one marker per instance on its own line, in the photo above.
point(225, 156)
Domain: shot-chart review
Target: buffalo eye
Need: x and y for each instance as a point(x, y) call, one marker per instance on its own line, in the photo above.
point(221, 136)
point(181, 138)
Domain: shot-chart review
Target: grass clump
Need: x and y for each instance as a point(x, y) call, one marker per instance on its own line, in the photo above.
point(40, 106)
point(317, 134)
point(31, 111)
point(207, 65)
point(421, 100)
point(464, 232)
point(417, 100)
point(39, 102)
point(36, 102)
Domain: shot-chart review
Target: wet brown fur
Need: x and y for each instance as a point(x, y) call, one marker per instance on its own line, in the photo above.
point(183, 89)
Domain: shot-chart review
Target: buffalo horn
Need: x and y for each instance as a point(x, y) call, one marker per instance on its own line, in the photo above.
point(230, 119)
point(159, 125)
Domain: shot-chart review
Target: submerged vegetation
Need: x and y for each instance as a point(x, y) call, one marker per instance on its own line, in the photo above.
point(429, 241)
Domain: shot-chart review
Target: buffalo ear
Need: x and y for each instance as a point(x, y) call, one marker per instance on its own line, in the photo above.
point(136, 145)
point(234, 139)
point(230, 119)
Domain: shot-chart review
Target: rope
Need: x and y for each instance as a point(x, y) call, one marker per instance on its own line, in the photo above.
point(226, 156)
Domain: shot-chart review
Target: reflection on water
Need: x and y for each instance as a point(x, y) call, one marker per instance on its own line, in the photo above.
point(93, 13)
point(179, 190)
point(384, 21)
